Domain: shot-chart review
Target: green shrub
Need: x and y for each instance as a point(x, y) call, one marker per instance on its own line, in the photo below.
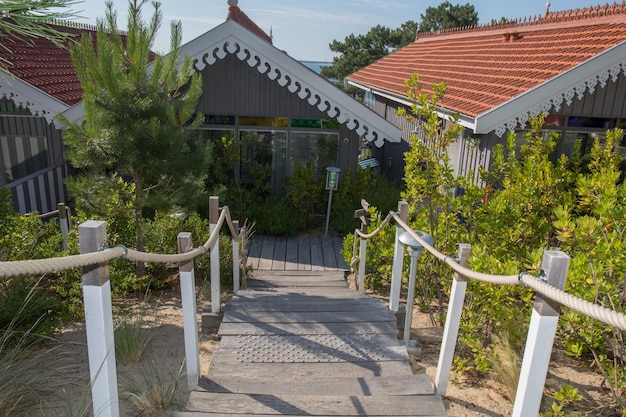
point(28, 310)
point(304, 197)
point(276, 217)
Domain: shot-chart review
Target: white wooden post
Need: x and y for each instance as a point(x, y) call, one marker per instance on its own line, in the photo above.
point(63, 224)
point(453, 320)
point(410, 296)
point(398, 257)
point(99, 323)
point(362, 259)
point(235, 258)
point(543, 324)
point(214, 214)
point(190, 321)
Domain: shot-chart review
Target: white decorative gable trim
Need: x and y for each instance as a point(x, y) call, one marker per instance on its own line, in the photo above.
point(564, 88)
point(230, 38)
point(23, 94)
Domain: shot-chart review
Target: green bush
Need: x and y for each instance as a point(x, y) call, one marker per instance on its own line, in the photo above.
point(28, 309)
point(304, 197)
point(23, 238)
point(376, 189)
point(276, 217)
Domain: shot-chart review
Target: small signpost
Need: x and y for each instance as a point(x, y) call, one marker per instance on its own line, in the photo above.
point(332, 181)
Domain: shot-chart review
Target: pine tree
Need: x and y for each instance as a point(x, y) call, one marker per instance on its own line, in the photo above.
point(140, 111)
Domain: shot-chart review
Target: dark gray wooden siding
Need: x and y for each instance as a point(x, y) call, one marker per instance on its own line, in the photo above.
point(231, 87)
point(42, 190)
point(471, 152)
point(609, 101)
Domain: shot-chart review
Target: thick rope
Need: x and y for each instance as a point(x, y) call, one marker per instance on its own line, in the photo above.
point(40, 266)
point(598, 312)
point(384, 223)
point(466, 272)
point(605, 315)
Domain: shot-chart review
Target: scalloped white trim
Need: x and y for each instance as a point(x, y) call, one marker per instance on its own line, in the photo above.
point(286, 79)
point(23, 94)
point(576, 91)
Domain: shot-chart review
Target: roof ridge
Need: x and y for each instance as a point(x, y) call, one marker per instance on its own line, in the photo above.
point(78, 25)
point(550, 17)
point(237, 15)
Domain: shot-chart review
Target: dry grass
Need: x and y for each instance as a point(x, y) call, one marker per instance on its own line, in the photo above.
point(154, 394)
point(506, 365)
point(132, 340)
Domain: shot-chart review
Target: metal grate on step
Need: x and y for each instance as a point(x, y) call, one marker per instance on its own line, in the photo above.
point(314, 348)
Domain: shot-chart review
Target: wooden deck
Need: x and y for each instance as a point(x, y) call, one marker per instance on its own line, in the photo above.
point(299, 342)
point(296, 253)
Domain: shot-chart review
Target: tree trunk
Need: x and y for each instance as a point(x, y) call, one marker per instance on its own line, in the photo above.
point(138, 205)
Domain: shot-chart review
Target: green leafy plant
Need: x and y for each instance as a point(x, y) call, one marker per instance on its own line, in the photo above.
point(529, 200)
point(563, 397)
point(305, 191)
point(591, 228)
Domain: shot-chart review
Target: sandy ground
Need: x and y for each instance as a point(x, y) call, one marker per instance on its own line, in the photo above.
point(466, 396)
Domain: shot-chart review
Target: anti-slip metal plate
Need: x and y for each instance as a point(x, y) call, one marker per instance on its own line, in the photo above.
point(314, 348)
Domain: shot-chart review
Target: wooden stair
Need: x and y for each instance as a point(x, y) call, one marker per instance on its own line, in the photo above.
point(301, 343)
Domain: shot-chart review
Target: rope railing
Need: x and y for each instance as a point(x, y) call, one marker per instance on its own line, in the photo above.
point(595, 311)
point(39, 266)
point(96, 287)
point(603, 314)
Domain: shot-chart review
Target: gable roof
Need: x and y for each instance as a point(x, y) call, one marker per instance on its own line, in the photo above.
point(257, 51)
point(236, 14)
point(500, 75)
point(39, 74)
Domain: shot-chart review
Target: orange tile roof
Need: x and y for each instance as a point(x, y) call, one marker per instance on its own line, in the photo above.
point(485, 66)
point(44, 65)
point(48, 67)
point(237, 15)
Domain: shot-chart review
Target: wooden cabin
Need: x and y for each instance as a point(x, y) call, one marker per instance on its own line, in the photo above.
point(569, 64)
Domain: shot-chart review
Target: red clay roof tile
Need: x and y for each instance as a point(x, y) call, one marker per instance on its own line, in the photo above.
point(48, 67)
point(487, 65)
point(237, 15)
point(45, 65)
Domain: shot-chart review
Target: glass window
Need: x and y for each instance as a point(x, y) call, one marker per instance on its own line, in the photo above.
point(211, 119)
point(262, 160)
point(315, 123)
point(263, 121)
point(591, 122)
point(321, 147)
point(224, 155)
point(23, 155)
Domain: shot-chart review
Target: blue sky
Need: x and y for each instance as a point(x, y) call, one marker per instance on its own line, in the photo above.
point(304, 29)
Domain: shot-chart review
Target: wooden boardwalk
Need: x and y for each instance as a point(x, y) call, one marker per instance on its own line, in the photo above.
point(299, 342)
point(296, 253)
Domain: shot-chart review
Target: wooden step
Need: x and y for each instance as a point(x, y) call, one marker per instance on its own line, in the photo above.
point(367, 316)
point(301, 343)
point(316, 275)
point(260, 328)
point(362, 342)
point(311, 405)
point(251, 305)
point(418, 384)
point(310, 369)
